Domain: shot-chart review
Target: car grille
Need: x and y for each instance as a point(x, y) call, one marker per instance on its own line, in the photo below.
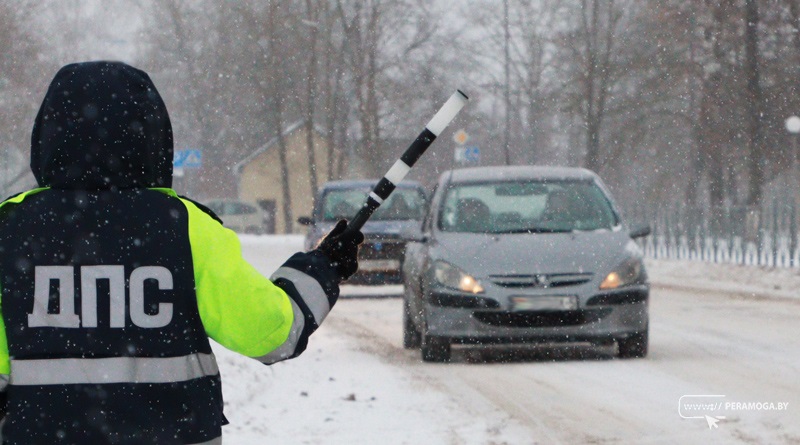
point(540, 319)
point(544, 281)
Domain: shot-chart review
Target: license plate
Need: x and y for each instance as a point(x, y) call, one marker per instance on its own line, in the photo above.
point(378, 265)
point(544, 303)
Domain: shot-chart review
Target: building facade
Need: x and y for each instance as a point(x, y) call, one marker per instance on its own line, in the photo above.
point(260, 175)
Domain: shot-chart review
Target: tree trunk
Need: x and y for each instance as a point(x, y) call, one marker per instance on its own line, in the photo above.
point(277, 117)
point(311, 97)
point(755, 105)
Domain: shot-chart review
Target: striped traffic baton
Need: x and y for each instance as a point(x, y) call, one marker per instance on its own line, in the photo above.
point(400, 169)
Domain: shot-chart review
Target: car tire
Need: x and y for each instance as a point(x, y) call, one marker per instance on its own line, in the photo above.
point(412, 339)
point(634, 346)
point(435, 349)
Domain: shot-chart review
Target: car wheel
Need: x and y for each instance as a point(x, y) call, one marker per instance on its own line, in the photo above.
point(634, 346)
point(435, 349)
point(412, 339)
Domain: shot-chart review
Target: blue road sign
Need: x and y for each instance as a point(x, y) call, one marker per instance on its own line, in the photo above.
point(468, 154)
point(189, 158)
point(472, 154)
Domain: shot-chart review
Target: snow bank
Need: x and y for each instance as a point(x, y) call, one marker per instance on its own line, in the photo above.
point(753, 281)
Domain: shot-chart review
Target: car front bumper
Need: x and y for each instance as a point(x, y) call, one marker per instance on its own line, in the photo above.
point(601, 317)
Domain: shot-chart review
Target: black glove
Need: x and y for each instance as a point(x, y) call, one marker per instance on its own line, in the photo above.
point(341, 247)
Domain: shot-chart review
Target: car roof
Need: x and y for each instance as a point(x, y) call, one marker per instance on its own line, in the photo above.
point(517, 172)
point(365, 183)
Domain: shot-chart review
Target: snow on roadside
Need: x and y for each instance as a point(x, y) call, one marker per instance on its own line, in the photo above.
point(756, 281)
point(336, 393)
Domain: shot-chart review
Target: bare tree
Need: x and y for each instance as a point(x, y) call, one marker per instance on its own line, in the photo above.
point(21, 80)
point(312, 21)
point(277, 83)
point(755, 104)
point(528, 90)
point(593, 44)
point(379, 35)
point(336, 111)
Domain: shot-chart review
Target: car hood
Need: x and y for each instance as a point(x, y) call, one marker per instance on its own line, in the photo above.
point(488, 254)
point(376, 229)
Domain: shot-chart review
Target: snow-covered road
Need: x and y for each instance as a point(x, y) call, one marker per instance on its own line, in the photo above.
point(356, 384)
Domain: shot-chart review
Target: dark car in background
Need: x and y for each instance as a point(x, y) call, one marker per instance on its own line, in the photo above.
point(524, 255)
point(381, 255)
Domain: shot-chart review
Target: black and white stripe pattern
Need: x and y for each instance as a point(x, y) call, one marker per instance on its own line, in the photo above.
point(403, 165)
point(313, 290)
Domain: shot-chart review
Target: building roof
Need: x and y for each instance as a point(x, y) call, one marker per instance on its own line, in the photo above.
point(272, 142)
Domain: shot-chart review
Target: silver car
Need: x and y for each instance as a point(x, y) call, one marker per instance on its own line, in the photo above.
point(240, 216)
point(520, 255)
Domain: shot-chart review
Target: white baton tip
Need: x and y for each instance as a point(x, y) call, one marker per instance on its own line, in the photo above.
point(447, 113)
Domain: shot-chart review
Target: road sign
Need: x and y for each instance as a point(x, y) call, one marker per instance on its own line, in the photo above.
point(460, 137)
point(468, 154)
point(189, 158)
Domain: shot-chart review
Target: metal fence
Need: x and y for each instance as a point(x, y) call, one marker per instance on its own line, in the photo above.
point(762, 236)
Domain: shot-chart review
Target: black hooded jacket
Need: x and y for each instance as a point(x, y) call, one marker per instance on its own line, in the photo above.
point(102, 125)
point(111, 284)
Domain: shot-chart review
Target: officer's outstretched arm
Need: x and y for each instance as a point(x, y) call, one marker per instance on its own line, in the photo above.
point(269, 320)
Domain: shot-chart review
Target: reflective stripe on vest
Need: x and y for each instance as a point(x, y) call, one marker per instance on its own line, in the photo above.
point(310, 290)
point(70, 371)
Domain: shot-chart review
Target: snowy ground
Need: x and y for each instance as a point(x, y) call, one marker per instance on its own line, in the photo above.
point(752, 281)
point(715, 330)
point(341, 392)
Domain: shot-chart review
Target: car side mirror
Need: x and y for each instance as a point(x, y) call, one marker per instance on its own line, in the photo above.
point(640, 232)
point(305, 221)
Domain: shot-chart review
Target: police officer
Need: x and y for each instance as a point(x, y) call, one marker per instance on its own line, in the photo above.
point(111, 284)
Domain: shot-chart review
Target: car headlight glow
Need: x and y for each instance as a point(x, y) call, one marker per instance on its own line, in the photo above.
point(450, 276)
point(626, 273)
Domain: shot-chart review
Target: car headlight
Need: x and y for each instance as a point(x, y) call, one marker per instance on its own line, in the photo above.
point(630, 271)
point(451, 276)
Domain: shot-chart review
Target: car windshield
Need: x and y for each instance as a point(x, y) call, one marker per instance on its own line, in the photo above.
point(526, 207)
point(402, 204)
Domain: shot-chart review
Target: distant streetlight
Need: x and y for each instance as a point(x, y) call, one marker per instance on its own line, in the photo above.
point(793, 124)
